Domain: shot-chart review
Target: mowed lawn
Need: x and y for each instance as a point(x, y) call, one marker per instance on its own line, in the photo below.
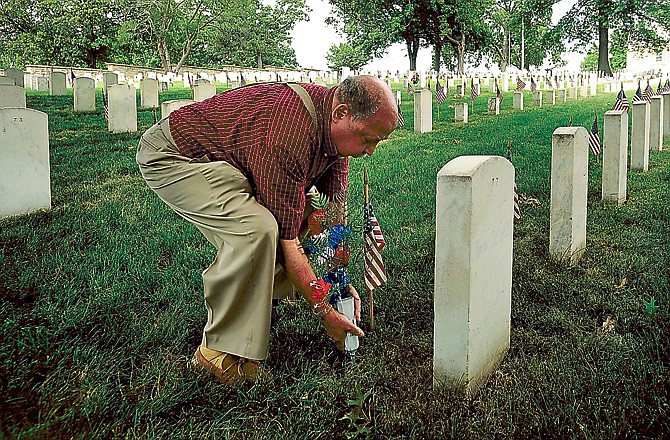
point(101, 304)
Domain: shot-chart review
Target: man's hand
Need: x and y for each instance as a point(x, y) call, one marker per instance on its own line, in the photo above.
point(337, 325)
point(357, 303)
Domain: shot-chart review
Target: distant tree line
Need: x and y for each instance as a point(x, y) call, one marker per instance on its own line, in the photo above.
point(210, 33)
point(157, 33)
point(508, 33)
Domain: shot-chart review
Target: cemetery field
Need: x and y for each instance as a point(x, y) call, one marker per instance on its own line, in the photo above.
point(101, 302)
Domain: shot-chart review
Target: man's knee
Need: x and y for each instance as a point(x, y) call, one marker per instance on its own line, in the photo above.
point(265, 229)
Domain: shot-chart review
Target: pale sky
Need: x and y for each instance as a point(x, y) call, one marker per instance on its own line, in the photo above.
point(312, 39)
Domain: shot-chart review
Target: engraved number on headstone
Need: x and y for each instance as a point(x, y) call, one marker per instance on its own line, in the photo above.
point(18, 119)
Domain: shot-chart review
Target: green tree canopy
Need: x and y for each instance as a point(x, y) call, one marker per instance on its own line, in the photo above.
point(645, 22)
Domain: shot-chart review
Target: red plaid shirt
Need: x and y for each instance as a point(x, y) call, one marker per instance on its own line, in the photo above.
point(266, 132)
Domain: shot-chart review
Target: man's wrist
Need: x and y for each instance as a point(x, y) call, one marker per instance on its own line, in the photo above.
point(321, 310)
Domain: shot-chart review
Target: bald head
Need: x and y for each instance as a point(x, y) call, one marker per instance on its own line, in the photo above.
point(365, 95)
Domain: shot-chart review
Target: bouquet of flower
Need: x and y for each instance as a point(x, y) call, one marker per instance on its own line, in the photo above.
point(328, 248)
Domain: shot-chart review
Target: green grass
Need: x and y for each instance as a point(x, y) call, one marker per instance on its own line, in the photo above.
point(101, 304)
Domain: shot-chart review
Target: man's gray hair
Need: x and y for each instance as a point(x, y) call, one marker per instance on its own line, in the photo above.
point(362, 98)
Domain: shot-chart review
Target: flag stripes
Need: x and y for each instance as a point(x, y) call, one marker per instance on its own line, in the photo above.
point(520, 85)
point(401, 118)
point(439, 93)
point(375, 272)
point(621, 102)
point(594, 137)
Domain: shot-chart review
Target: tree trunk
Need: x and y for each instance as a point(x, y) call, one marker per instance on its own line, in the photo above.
point(603, 49)
point(161, 54)
point(437, 59)
point(259, 60)
point(460, 53)
point(504, 59)
point(412, 51)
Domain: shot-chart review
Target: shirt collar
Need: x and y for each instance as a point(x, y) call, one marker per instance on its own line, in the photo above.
point(327, 144)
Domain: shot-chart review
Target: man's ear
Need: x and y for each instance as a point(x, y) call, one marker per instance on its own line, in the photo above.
point(340, 111)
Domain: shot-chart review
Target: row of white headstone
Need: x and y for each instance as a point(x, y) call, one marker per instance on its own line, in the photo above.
point(423, 105)
point(474, 234)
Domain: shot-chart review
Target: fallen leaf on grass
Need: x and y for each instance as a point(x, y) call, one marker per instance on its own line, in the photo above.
point(607, 327)
point(456, 141)
point(622, 284)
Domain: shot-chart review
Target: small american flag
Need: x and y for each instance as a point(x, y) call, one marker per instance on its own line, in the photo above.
point(666, 87)
point(242, 80)
point(499, 95)
point(473, 89)
point(594, 137)
point(533, 85)
point(659, 89)
point(517, 210)
point(621, 102)
point(401, 118)
point(648, 93)
point(375, 272)
point(520, 85)
point(439, 93)
point(105, 108)
point(410, 89)
point(638, 94)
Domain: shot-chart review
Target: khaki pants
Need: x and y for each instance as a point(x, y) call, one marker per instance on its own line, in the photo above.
point(217, 198)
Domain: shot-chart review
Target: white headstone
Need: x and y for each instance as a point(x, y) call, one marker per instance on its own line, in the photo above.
point(569, 182)
point(537, 98)
point(122, 104)
point(607, 87)
point(109, 79)
point(7, 81)
point(461, 112)
point(494, 106)
point(203, 91)
point(398, 97)
point(17, 75)
point(57, 84)
point(562, 95)
point(550, 97)
point(583, 91)
point(492, 85)
point(149, 93)
point(615, 156)
point(12, 96)
point(25, 182)
point(639, 137)
point(168, 107)
point(504, 86)
point(42, 84)
point(84, 94)
point(517, 101)
point(573, 93)
point(666, 114)
point(423, 111)
point(473, 269)
point(656, 124)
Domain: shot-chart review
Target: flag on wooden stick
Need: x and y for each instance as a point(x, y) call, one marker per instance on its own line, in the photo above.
point(517, 210)
point(439, 93)
point(401, 118)
point(373, 242)
point(105, 108)
point(638, 93)
point(621, 102)
point(594, 137)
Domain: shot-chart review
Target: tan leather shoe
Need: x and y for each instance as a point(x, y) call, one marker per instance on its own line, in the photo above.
point(229, 368)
